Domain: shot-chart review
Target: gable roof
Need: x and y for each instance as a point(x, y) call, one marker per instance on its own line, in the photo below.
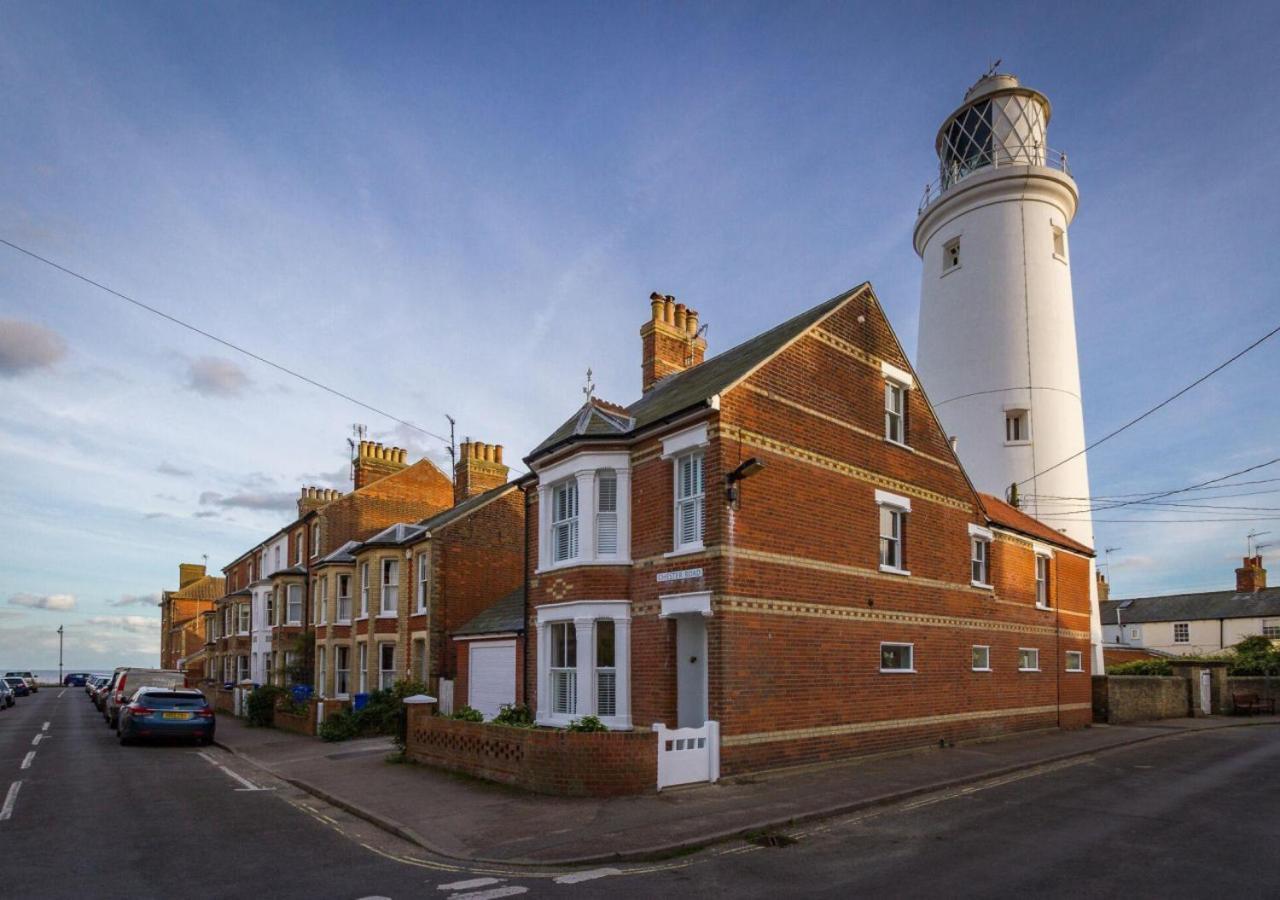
point(1010, 517)
point(398, 533)
point(692, 387)
point(504, 616)
point(207, 587)
point(1186, 607)
point(465, 508)
point(342, 555)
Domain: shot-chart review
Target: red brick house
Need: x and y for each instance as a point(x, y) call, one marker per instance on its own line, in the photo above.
point(778, 550)
point(182, 612)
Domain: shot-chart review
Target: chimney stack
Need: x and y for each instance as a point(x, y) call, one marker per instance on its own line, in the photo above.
point(1251, 577)
point(374, 461)
point(480, 468)
point(189, 573)
point(1104, 589)
point(314, 498)
point(669, 341)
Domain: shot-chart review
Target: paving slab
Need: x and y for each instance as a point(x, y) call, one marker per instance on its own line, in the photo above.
point(465, 818)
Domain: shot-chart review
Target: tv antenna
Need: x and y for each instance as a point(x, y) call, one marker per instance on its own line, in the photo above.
point(358, 432)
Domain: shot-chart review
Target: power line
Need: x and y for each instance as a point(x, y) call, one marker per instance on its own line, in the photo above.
point(1162, 521)
point(1160, 405)
point(1221, 487)
point(213, 337)
point(1111, 506)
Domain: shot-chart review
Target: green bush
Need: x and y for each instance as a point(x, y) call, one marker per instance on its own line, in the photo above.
point(587, 725)
point(338, 726)
point(514, 716)
point(1254, 656)
point(467, 714)
point(260, 708)
point(1141, 667)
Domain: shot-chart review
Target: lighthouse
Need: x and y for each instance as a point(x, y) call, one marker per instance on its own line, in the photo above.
point(997, 343)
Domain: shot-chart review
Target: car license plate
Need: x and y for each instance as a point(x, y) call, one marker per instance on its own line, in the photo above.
point(175, 715)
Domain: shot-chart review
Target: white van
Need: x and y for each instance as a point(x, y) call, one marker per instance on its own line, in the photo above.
point(126, 681)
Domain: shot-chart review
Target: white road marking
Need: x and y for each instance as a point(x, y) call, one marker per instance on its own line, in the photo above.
point(207, 758)
point(26, 760)
point(6, 811)
point(494, 894)
point(591, 875)
point(44, 727)
point(36, 740)
point(60, 695)
point(466, 885)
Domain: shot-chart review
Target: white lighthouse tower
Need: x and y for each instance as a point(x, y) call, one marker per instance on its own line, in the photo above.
point(997, 347)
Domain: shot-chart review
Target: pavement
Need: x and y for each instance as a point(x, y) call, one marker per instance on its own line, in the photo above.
point(463, 818)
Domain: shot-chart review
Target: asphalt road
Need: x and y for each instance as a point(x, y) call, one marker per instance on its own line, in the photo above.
point(1180, 817)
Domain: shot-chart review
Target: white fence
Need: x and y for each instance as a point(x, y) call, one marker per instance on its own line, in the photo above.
point(446, 697)
point(688, 755)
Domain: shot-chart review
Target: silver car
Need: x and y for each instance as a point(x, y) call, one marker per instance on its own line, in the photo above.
point(127, 680)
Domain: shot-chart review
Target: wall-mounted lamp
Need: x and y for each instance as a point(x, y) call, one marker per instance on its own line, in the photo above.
point(745, 470)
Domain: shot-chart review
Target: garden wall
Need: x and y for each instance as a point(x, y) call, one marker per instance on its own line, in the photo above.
point(1140, 698)
point(1255, 684)
point(298, 724)
point(546, 761)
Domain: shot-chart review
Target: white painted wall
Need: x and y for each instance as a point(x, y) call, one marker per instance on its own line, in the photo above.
point(1205, 635)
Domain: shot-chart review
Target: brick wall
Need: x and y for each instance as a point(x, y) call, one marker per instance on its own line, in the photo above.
point(544, 761)
point(1140, 698)
point(1266, 688)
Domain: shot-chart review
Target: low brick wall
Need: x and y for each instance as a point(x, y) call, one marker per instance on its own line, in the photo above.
point(546, 761)
point(223, 701)
point(1255, 684)
point(1139, 698)
point(303, 724)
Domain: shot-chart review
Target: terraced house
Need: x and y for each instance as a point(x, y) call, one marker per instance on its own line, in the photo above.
point(777, 551)
point(182, 634)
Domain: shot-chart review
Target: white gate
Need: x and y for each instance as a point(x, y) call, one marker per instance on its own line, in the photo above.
point(1206, 692)
point(688, 755)
point(446, 696)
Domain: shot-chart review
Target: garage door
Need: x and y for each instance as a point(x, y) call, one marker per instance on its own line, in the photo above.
point(492, 676)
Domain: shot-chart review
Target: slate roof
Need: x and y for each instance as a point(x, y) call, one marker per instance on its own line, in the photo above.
point(341, 555)
point(683, 390)
point(398, 533)
point(1006, 516)
point(505, 616)
point(1186, 607)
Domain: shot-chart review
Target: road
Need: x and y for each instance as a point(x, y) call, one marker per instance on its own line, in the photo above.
point(1185, 816)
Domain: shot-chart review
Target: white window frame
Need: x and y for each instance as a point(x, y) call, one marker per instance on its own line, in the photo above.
point(895, 419)
point(901, 507)
point(290, 619)
point(911, 658)
point(1059, 241)
point(1036, 658)
point(606, 520)
point(341, 672)
point(389, 592)
point(694, 503)
point(322, 617)
point(559, 634)
point(566, 518)
point(950, 252)
point(364, 591)
point(315, 539)
point(424, 580)
point(1186, 632)
point(1043, 599)
point(244, 615)
point(979, 536)
point(986, 649)
point(297, 546)
point(321, 671)
point(583, 617)
point(386, 677)
point(584, 469)
point(362, 659)
point(1079, 660)
point(242, 667)
point(1021, 416)
point(1271, 629)
point(338, 616)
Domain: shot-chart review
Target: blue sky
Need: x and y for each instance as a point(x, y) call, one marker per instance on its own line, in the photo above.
point(459, 209)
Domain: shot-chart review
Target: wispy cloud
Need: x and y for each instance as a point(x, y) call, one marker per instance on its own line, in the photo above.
point(216, 377)
point(26, 346)
point(136, 600)
point(273, 501)
point(43, 601)
point(167, 468)
point(131, 624)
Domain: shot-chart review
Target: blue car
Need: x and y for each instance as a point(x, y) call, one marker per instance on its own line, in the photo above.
point(75, 679)
point(19, 686)
point(163, 713)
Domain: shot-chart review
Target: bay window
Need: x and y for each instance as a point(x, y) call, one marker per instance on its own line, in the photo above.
point(584, 509)
point(321, 671)
point(362, 677)
point(341, 671)
point(424, 570)
point(344, 599)
point(607, 513)
point(564, 521)
point(390, 587)
point(583, 662)
point(364, 590)
point(295, 605)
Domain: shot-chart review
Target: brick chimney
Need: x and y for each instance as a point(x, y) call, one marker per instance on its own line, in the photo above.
point(189, 573)
point(1104, 589)
point(669, 340)
point(314, 498)
point(1251, 577)
point(479, 469)
point(374, 461)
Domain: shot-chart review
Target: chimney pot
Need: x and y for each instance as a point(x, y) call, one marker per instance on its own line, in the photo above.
point(680, 317)
point(655, 304)
point(691, 322)
point(669, 309)
point(497, 453)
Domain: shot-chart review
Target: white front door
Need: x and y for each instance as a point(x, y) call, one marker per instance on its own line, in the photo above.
point(491, 676)
point(691, 671)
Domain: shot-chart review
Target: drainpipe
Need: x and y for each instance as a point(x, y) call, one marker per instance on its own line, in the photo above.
point(524, 606)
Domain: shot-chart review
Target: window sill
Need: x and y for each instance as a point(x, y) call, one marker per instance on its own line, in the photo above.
point(982, 585)
point(981, 670)
point(1060, 258)
point(1028, 670)
point(1044, 608)
point(571, 563)
point(900, 445)
point(946, 272)
point(1017, 443)
point(387, 615)
point(343, 622)
point(560, 720)
point(1074, 671)
point(894, 570)
point(361, 618)
point(897, 671)
point(685, 551)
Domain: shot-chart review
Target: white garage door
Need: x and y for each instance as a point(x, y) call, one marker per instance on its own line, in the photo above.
point(492, 676)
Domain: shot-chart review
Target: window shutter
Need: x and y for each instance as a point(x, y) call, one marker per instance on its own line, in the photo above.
point(607, 515)
point(606, 693)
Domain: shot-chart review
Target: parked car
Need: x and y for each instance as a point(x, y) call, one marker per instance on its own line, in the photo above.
point(99, 693)
point(157, 713)
point(75, 679)
point(27, 677)
point(92, 686)
point(6, 695)
point(18, 685)
point(126, 682)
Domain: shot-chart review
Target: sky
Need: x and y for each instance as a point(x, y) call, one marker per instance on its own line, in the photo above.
point(459, 208)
